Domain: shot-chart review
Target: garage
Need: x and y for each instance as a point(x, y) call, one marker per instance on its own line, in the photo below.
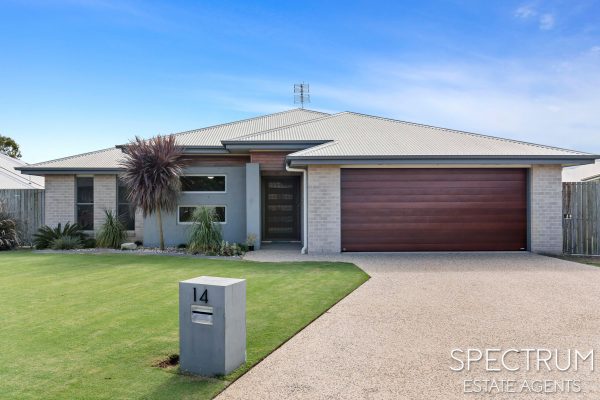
point(433, 209)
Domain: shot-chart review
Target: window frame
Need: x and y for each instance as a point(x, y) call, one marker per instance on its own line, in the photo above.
point(207, 191)
point(196, 206)
point(77, 203)
point(128, 203)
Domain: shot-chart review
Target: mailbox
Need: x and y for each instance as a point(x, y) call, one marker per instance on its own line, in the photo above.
point(212, 325)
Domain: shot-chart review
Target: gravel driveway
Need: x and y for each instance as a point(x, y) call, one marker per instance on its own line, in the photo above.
point(392, 337)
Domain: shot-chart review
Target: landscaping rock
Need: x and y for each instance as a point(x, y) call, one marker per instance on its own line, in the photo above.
point(128, 246)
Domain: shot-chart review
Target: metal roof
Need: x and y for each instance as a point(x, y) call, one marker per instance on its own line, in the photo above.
point(13, 179)
point(205, 137)
point(582, 173)
point(344, 135)
point(350, 134)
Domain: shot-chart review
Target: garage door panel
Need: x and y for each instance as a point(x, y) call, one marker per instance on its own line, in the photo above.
point(433, 209)
point(432, 184)
point(423, 191)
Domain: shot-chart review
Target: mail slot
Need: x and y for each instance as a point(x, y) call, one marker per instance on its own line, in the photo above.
point(202, 315)
point(212, 325)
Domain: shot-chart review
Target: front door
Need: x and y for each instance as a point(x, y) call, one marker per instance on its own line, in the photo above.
point(281, 208)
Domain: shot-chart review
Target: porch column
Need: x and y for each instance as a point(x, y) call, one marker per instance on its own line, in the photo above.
point(253, 202)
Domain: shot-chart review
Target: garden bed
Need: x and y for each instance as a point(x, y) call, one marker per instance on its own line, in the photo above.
point(169, 251)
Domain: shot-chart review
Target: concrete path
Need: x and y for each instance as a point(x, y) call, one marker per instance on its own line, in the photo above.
point(392, 337)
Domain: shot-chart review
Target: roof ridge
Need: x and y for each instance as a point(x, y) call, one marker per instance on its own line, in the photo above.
point(71, 157)
point(287, 126)
point(243, 120)
point(467, 133)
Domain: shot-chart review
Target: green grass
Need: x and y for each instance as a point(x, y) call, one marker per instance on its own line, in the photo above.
point(92, 326)
point(589, 260)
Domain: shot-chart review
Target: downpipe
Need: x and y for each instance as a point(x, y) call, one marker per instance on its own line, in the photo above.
point(304, 206)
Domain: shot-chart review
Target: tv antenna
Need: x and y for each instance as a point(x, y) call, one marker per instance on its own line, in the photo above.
point(301, 94)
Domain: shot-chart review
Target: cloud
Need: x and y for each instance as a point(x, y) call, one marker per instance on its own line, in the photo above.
point(525, 11)
point(539, 101)
point(547, 22)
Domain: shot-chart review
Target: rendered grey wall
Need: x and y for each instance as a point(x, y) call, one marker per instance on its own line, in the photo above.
point(253, 202)
point(234, 199)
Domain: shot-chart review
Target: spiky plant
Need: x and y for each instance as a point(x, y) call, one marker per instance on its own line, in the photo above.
point(46, 235)
point(66, 243)
point(205, 233)
point(9, 233)
point(112, 232)
point(152, 171)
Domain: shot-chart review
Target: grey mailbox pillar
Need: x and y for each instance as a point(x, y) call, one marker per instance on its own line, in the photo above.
point(212, 325)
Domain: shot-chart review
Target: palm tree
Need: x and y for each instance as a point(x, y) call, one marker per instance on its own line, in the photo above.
point(152, 171)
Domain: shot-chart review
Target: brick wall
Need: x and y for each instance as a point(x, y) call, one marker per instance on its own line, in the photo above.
point(105, 197)
point(546, 209)
point(59, 200)
point(324, 234)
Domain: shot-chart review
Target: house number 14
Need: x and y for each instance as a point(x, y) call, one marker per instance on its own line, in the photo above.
point(203, 297)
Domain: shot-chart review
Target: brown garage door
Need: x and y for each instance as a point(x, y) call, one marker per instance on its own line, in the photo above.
point(428, 209)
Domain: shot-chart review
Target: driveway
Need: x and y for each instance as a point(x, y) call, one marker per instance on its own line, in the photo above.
point(392, 337)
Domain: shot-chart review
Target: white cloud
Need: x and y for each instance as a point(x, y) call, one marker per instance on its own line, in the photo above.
point(555, 105)
point(547, 22)
point(525, 11)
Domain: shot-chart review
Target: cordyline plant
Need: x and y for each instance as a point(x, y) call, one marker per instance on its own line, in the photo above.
point(152, 171)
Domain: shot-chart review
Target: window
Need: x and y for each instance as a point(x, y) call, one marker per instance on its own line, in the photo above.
point(203, 183)
point(184, 214)
point(85, 202)
point(125, 210)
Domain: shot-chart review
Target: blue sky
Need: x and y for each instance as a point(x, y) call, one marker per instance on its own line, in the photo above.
point(80, 75)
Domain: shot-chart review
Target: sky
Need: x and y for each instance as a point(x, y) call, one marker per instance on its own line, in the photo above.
point(82, 75)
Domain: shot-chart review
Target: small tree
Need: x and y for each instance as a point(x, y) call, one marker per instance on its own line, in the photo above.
point(9, 147)
point(152, 171)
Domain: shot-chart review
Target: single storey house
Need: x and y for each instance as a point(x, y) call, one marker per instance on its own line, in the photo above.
point(338, 182)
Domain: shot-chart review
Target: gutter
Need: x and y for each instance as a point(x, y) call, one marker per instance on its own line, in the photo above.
point(304, 206)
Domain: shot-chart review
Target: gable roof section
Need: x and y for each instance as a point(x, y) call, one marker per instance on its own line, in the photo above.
point(107, 160)
point(352, 135)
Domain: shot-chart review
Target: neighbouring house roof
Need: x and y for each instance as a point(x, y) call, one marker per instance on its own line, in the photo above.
point(582, 173)
point(341, 137)
point(10, 178)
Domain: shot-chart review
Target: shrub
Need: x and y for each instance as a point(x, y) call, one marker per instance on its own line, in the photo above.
point(66, 243)
point(139, 243)
point(205, 234)
point(228, 250)
point(9, 233)
point(46, 235)
point(112, 232)
point(182, 246)
point(89, 243)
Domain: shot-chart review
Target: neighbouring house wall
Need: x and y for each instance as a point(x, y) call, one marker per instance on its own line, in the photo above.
point(234, 200)
point(59, 200)
point(324, 233)
point(546, 209)
point(253, 207)
point(105, 198)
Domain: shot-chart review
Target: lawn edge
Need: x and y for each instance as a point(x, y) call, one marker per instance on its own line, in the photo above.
point(298, 331)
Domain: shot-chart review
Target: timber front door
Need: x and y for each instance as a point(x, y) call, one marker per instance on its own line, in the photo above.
point(281, 208)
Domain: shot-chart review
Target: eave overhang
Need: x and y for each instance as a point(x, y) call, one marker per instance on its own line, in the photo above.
point(576, 159)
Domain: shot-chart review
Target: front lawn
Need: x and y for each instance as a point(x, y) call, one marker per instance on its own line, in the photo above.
point(93, 326)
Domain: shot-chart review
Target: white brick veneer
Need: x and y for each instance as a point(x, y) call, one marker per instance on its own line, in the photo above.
point(105, 197)
point(546, 209)
point(59, 200)
point(324, 234)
